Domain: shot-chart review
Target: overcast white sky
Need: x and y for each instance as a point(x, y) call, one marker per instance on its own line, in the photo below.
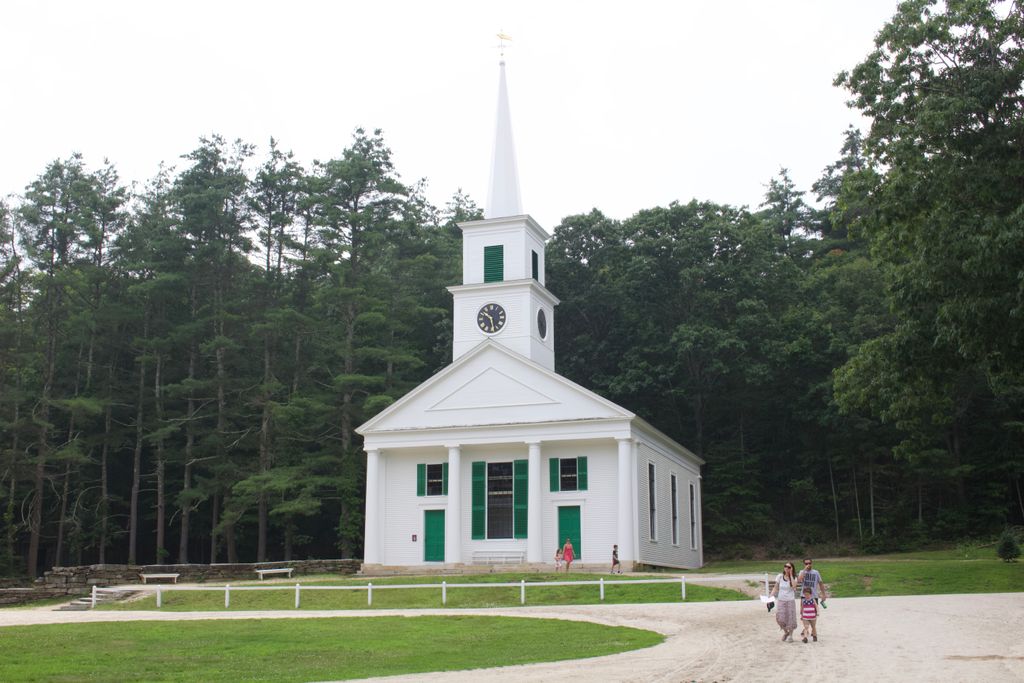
point(618, 106)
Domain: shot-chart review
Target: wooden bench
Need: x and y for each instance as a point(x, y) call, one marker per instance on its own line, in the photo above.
point(279, 570)
point(498, 556)
point(146, 577)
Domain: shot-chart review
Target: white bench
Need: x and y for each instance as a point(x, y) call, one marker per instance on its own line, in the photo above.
point(146, 577)
point(279, 570)
point(498, 556)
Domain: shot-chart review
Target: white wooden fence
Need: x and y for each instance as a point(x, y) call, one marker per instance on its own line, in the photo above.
point(444, 586)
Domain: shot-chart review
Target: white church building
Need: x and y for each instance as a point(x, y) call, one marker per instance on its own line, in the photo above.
point(497, 459)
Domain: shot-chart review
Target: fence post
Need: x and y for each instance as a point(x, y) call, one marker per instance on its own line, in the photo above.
point(159, 597)
point(227, 595)
point(94, 596)
point(369, 594)
point(683, 584)
point(602, 589)
point(444, 592)
point(766, 583)
point(522, 591)
point(296, 596)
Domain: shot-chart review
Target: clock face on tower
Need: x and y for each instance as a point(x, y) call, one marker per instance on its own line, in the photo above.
point(491, 318)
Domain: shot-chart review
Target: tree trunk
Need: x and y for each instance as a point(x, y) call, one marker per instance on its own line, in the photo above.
point(9, 525)
point(61, 522)
point(16, 422)
point(954, 447)
point(222, 422)
point(871, 492)
point(9, 512)
point(190, 440)
point(297, 356)
point(920, 501)
point(261, 545)
point(214, 521)
point(133, 514)
point(1020, 499)
point(856, 500)
point(43, 451)
point(835, 498)
point(161, 551)
point(229, 530)
point(698, 422)
point(289, 532)
point(104, 511)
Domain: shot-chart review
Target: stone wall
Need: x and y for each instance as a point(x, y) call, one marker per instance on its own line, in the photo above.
point(21, 596)
point(81, 579)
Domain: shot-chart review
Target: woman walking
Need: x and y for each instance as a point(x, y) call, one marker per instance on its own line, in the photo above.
point(568, 555)
point(785, 594)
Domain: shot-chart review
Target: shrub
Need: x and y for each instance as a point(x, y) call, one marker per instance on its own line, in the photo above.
point(1008, 548)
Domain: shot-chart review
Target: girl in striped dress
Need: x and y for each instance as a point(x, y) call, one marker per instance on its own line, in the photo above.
point(809, 615)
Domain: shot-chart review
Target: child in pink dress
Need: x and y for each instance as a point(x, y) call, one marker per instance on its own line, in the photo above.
point(558, 558)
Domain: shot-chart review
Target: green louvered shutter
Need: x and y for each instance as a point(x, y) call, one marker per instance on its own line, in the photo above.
point(421, 480)
point(553, 469)
point(444, 479)
point(479, 502)
point(520, 495)
point(494, 263)
point(581, 473)
point(536, 266)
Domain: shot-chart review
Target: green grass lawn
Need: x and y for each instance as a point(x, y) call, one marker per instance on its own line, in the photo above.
point(920, 573)
point(430, 595)
point(298, 649)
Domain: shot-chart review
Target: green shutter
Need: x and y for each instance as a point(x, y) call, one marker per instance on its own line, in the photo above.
point(520, 495)
point(444, 479)
point(479, 502)
point(494, 263)
point(421, 480)
point(553, 469)
point(536, 266)
point(581, 473)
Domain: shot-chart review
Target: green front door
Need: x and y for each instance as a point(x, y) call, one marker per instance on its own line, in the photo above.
point(569, 527)
point(433, 535)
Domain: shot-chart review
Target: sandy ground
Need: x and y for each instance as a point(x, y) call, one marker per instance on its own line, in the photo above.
point(918, 638)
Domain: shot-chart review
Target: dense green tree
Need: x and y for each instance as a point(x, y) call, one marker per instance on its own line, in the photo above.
point(57, 224)
point(944, 219)
point(13, 300)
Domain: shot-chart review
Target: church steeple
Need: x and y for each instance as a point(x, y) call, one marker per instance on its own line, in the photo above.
point(502, 297)
point(503, 194)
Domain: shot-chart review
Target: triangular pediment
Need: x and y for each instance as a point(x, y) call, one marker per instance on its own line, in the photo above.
point(492, 385)
point(492, 388)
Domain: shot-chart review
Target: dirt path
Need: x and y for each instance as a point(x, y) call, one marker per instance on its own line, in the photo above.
point(918, 638)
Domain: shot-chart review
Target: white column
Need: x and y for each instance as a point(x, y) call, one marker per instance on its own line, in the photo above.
point(453, 515)
point(534, 547)
point(625, 509)
point(371, 535)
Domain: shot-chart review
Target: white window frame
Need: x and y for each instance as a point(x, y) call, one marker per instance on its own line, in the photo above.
point(576, 475)
point(487, 504)
point(652, 502)
point(693, 516)
point(675, 508)
point(426, 486)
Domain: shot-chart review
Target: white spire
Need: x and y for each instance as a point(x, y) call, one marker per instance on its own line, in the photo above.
point(503, 195)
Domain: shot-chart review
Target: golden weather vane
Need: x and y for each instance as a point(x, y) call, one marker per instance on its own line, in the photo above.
point(502, 38)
